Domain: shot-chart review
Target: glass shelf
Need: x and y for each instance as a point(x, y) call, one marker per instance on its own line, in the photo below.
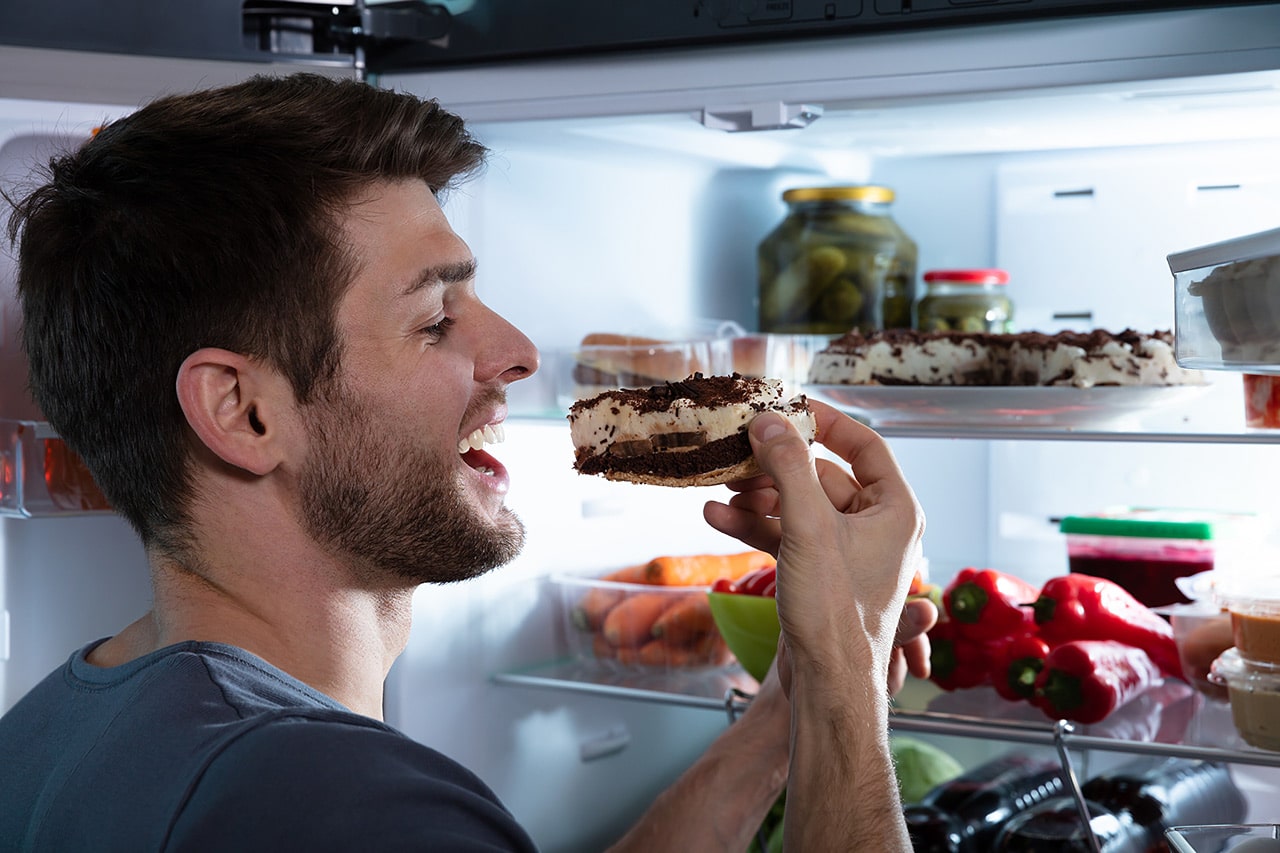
point(1016, 433)
point(1241, 435)
point(40, 476)
point(693, 688)
point(1171, 719)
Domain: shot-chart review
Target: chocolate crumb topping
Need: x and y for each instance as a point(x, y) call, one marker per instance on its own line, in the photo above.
point(698, 390)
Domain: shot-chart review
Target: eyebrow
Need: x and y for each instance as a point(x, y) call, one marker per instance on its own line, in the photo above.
point(441, 274)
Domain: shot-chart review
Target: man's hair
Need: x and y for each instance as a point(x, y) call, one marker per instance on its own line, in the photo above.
point(209, 219)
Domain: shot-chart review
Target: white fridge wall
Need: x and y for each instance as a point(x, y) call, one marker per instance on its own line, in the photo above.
point(64, 582)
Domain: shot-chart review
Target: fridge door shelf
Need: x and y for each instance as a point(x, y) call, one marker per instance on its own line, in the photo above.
point(1203, 726)
point(41, 476)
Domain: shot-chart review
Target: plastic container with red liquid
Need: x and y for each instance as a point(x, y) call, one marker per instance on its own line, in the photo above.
point(1145, 550)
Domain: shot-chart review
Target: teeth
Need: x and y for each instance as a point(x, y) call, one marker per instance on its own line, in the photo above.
point(488, 434)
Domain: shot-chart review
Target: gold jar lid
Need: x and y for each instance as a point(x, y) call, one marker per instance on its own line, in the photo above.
point(868, 192)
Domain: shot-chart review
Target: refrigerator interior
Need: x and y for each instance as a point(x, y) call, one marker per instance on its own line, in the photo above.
point(608, 205)
point(648, 223)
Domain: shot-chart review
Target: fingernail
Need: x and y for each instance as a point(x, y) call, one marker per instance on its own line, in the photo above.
point(768, 426)
point(918, 616)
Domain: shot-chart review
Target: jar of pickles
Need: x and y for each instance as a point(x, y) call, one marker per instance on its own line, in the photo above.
point(965, 301)
point(837, 261)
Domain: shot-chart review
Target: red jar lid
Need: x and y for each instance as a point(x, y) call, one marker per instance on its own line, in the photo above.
point(991, 276)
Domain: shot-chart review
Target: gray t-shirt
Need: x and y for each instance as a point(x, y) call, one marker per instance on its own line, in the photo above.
point(203, 746)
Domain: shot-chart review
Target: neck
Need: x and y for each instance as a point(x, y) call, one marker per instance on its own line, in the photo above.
point(316, 625)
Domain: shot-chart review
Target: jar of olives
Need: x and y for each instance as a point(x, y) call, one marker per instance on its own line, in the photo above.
point(837, 261)
point(965, 301)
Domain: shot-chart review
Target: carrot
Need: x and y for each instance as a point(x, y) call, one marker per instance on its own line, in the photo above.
point(687, 620)
point(600, 647)
point(628, 574)
point(706, 651)
point(704, 569)
point(628, 655)
point(589, 613)
point(654, 653)
point(630, 622)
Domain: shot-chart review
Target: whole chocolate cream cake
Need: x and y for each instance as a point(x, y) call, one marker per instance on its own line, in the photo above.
point(1072, 359)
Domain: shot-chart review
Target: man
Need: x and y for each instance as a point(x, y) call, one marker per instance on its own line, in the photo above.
point(246, 310)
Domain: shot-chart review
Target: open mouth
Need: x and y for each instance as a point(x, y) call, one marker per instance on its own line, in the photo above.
point(472, 448)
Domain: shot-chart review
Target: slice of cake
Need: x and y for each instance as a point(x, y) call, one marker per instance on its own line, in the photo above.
point(687, 433)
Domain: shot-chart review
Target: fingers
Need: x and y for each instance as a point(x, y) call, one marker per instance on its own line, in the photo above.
point(755, 530)
point(918, 616)
point(911, 643)
point(859, 445)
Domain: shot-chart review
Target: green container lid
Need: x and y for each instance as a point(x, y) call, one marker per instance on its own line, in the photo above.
point(1157, 523)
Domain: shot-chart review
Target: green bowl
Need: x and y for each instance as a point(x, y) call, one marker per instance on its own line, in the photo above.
point(749, 625)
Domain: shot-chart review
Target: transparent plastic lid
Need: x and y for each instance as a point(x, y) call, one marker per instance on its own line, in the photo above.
point(1158, 523)
point(1248, 247)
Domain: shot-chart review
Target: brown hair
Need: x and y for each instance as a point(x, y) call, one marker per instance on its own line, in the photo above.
point(203, 219)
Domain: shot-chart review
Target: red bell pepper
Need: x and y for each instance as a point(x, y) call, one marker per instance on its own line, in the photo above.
point(1083, 607)
point(1017, 663)
point(957, 661)
point(762, 582)
point(990, 605)
point(1085, 680)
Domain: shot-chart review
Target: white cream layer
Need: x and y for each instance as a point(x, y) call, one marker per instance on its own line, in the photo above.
point(613, 420)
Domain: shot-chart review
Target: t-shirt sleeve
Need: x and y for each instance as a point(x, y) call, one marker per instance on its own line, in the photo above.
point(304, 784)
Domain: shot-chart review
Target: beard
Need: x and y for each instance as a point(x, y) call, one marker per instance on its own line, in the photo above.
point(391, 507)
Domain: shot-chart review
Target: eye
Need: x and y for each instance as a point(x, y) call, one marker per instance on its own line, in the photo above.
point(437, 331)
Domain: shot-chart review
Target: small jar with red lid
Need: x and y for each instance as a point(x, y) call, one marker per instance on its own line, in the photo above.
point(965, 301)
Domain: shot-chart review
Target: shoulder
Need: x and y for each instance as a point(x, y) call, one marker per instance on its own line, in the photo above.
point(334, 780)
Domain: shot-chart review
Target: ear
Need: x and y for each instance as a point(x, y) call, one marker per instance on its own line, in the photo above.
point(232, 404)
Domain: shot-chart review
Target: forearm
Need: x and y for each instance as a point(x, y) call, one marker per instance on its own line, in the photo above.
point(842, 793)
point(720, 801)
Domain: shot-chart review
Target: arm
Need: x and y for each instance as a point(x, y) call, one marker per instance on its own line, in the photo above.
point(847, 543)
point(718, 803)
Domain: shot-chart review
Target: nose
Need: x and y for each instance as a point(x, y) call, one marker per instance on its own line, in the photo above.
point(507, 355)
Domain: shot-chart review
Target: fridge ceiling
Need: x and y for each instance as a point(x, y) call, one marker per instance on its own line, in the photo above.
point(1236, 107)
point(404, 34)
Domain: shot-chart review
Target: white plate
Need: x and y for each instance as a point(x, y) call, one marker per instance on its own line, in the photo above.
point(918, 405)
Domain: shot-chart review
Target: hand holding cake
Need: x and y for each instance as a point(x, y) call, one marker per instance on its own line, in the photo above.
point(847, 540)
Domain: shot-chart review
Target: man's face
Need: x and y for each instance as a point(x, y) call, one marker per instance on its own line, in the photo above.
point(397, 481)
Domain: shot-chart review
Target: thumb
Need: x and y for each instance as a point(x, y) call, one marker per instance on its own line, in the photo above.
point(783, 454)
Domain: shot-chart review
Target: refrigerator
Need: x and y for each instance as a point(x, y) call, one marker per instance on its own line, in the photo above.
point(636, 163)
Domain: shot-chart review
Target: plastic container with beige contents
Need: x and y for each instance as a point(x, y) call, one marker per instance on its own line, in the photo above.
point(1250, 670)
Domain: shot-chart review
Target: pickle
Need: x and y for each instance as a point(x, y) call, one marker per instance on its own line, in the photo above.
point(794, 291)
point(970, 312)
point(841, 303)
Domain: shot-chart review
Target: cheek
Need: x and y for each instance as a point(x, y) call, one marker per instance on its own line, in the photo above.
point(431, 406)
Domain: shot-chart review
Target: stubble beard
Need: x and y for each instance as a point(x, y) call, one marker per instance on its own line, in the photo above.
point(390, 508)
